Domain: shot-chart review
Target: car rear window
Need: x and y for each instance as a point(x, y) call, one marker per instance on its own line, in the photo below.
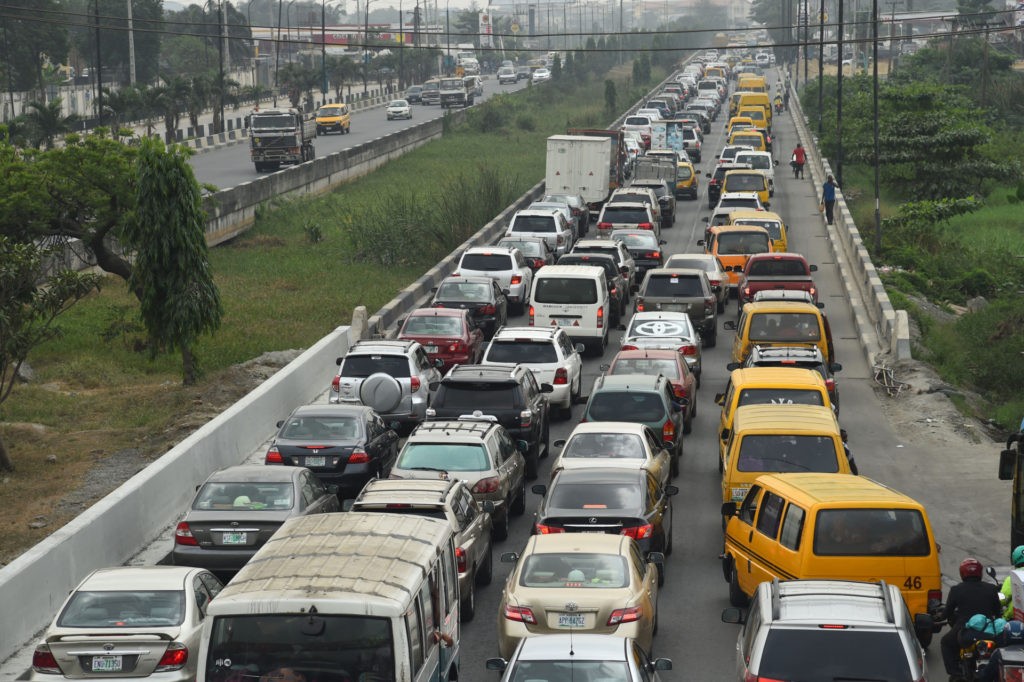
point(821, 654)
point(638, 242)
point(683, 173)
point(610, 270)
point(522, 352)
point(633, 196)
point(527, 248)
point(777, 268)
point(433, 325)
point(605, 445)
point(744, 183)
point(486, 262)
point(732, 243)
point(132, 609)
point(787, 454)
point(244, 496)
point(779, 396)
point(534, 223)
point(578, 570)
point(569, 669)
point(637, 121)
point(443, 456)
point(403, 508)
point(321, 427)
point(758, 161)
point(566, 290)
point(476, 395)
point(632, 216)
point(650, 366)
point(471, 292)
point(871, 532)
point(784, 327)
point(591, 495)
point(362, 366)
point(673, 286)
point(626, 406)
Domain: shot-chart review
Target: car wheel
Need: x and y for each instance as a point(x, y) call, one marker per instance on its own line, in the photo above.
point(721, 306)
point(499, 529)
point(485, 573)
point(736, 596)
point(469, 606)
point(532, 461)
point(518, 504)
point(688, 423)
point(547, 439)
point(661, 574)
point(711, 339)
point(674, 464)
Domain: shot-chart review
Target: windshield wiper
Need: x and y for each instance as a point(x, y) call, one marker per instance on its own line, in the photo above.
point(427, 469)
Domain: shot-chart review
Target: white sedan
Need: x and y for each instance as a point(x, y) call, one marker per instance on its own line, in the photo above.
point(614, 444)
point(541, 75)
point(398, 108)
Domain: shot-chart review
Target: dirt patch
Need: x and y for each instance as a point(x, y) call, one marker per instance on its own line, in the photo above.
point(67, 470)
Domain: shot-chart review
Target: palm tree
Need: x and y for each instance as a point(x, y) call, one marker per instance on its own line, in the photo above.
point(342, 71)
point(198, 99)
point(226, 88)
point(47, 121)
point(297, 79)
point(171, 104)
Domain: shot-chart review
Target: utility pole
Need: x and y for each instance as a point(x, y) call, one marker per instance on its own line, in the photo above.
point(222, 44)
point(807, 20)
point(892, 38)
point(839, 103)
point(131, 45)
point(277, 50)
point(7, 70)
point(99, 66)
point(821, 66)
point(323, 50)
point(874, 97)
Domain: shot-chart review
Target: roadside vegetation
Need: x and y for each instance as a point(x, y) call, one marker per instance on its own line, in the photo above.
point(952, 243)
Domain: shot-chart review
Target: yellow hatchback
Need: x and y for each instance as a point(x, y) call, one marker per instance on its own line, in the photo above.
point(333, 118)
point(747, 181)
point(687, 183)
point(768, 220)
point(751, 138)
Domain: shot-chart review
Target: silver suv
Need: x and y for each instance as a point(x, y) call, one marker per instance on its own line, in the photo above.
point(449, 501)
point(477, 450)
point(392, 377)
point(506, 266)
point(824, 629)
point(548, 223)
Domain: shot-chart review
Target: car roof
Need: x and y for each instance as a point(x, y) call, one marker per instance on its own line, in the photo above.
point(812, 602)
point(535, 212)
point(783, 352)
point(674, 272)
point(781, 307)
point(118, 578)
point(653, 353)
point(835, 489)
point(468, 279)
point(749, 377)
point(625, 204)
point(529, 333)
point(490, 372)
point(581, 271)
point(253, 473)
point(420, 492)
point(578, 647)
point(609, 244)
point(380, 346)
point(609, 427)
point(453, 430)
point(788, 419)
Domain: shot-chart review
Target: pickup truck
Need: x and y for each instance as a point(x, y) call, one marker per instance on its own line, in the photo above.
point(786, 271)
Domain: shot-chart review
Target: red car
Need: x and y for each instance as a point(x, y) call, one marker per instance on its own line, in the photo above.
point(445, 333)
point(653, 362)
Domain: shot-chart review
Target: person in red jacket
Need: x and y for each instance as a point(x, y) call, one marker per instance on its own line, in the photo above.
point(799, 158)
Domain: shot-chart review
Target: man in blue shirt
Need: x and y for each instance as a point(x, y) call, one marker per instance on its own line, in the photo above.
point(828, 197)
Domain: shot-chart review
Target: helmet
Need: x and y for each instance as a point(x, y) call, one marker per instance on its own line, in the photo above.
point(1013, 631)
point(1017, 557)
point(970, 568)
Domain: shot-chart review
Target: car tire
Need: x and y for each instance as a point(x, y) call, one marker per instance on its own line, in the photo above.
point(499, 529)
point(711, 340)
point(518, 505)
point(674, 465)
point(532, 462)
point(661, 574)
point(688, 424)
point(485, 574)
point(668, 534)
point(468, 606)
point(721, 306)
point(736, 596)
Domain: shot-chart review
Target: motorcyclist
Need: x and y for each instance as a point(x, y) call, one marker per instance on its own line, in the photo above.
point(1012, 635)
point(1017, 559)
point(970, 597)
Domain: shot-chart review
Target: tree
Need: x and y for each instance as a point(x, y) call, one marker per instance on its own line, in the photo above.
point(32, 43)
point(149, 27)
point(28, 311)
point(179, 299)
point(46, 122)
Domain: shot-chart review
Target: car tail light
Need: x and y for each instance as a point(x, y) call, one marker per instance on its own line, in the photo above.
point(715, 282)
point(639, 532)
point(183, 535)
point(532, 312)
point(538, 263)
point(668, 431)
point(645, 226)
point(709, 303)
point(604, 226)
point(516, 279)
point(336, 384)
point(830, 384)
point(628, 615)
point(358, 456)
point(600, 317)
point(174, 657)
point(639, 304)
point(654, 254)
point(561, 376)
point(541, 529)
point(935, 596)
point(813, 291)
point(629, 346)
point(688, 350)
point(520, 613)
point(487, 485)
point(414, 384)
point(43, 660)
point(746, 292)
point(751, 677)
point(458, 347)
point(679, 390)
point(525, 418)
point(273, 456)
point(488, 309)
point(560, 239)
point(460, 559)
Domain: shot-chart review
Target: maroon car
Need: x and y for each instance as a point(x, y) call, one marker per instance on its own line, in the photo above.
point(448, 334)
point(667, 362)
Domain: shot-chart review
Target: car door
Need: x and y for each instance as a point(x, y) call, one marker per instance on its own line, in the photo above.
point(513, 464)
point(537, 402)
point(475, 534)
point(646, 575)
point(625, 259)
point(523, 271)
point(656, 510)
point(571, 361)
point(661, 461)
point(500, 300)
point(739, 533)
point(763, 542)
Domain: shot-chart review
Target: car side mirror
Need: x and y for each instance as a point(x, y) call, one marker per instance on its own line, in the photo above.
point(705, 219)
point(434, 385)
point(509, 557)
point(707, 175)
point(604, 368)
point(733, 365)
point(506, 292)
point(539, 489)
point(1007, 463)
point(724, 435)
point(662, 242)
point(734, 615)
point(522, 446)
point(332, 489)
point(700, 242)
point(439, 363)
point(488, 506)
point(814, 268)
point(580, 348)
point(280, 423)
point(337, 361)
point(671, 490)
point(729, 325)
point(924, 623)
point(661, 664)
point(347, 505)
point(835, 367)
point(623, 271)
point(776, 161)
point(656, 558)
point(560, 443)
point(498, 664)
point(719, 398)
point(668, 444)
point(728, 509)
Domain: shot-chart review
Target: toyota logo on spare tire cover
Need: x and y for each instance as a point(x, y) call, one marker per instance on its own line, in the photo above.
point(660, 328)
point(380, 391)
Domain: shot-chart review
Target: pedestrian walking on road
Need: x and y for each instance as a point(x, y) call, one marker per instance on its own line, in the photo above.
point(828, 197)
point(798, 160)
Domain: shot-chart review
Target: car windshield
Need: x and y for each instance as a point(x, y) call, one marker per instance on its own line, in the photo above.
point(469, 396)
point(617, 214)
point(692, 263)
point(784, 327)
point(608, 251)
point(784, 267)
point(774, 228)
point(779, 396)
point(472, 292)
point(752, 140)
point(744, 183)
point(566, 199)
point(487, 262)
point(758, 161)
point(649, 366)
point(244, 496)
point(734, 243)
point(398, 103)
point(533, 352)
point(430, 86)
point(673, 286)
point(626, 406)
point(871, 532)
point(319, 427)
point(605, 445)
point(444, 456)
point(362, 366)
point(637, 121)
point(787, 454)
point(330, 111)
point(123, 609)
point(264, 121)
point(579, 570)
point(526, 248)
point(824, 654)
point(531, 671)
point(533, 223)
point(568, 290)
point(738, 202)
point(301, 646)
point(433, 325)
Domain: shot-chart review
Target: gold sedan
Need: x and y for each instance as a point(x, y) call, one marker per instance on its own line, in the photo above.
point(579, 582)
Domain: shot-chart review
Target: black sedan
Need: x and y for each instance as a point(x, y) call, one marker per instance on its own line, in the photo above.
point(343, 445)
point(487, 305)
point(608, 500)
point(239, 508)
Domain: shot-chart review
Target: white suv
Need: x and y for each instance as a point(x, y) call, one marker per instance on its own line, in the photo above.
point(841, 630)
point(550, 224)
point(506, 266)
point(763, 162)
point(549, 353)
point(392, 377)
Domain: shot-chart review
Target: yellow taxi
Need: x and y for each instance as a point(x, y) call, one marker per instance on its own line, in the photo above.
point(768, 220)
point(333, 118)
point(740, 180)
point(733, 245)
point(737, 122)
point(687, 182)
point(780, 323)
point(752, 138)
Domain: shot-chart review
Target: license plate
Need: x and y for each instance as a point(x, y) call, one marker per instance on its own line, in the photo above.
point(316, 461)
point(430, 349)
point(234, 538)
point(565, 322)
point(571, 620)
point(106, 664)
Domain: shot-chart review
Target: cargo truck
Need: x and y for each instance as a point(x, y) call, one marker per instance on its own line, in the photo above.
point(614, 161)
point(280, 137)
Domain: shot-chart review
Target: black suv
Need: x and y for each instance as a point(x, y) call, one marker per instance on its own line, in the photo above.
point(717, 177)
point(507, 392)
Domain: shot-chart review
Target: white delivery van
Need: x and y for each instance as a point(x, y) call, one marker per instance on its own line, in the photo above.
point(339, 598)
point(575, 298)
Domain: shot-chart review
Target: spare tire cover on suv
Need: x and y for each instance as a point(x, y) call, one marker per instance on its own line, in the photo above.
point(380, 391)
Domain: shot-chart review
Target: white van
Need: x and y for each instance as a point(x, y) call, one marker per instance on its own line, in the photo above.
point(574, 297)
point(340, 597)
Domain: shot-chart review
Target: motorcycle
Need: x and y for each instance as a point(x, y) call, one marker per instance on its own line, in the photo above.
point(778, 107)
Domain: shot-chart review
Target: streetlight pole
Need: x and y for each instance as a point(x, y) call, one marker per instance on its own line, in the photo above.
point(366, 46)
point(289, 39)
point(221, 45)
point(323, 51)
point(874, 104)
point(448, 33)
point(839, 103)
point(821, 65)
point(99, 67)
point(277, 50)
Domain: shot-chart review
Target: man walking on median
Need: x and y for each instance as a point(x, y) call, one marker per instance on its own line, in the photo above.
point(828, 197)
point(798, 160)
